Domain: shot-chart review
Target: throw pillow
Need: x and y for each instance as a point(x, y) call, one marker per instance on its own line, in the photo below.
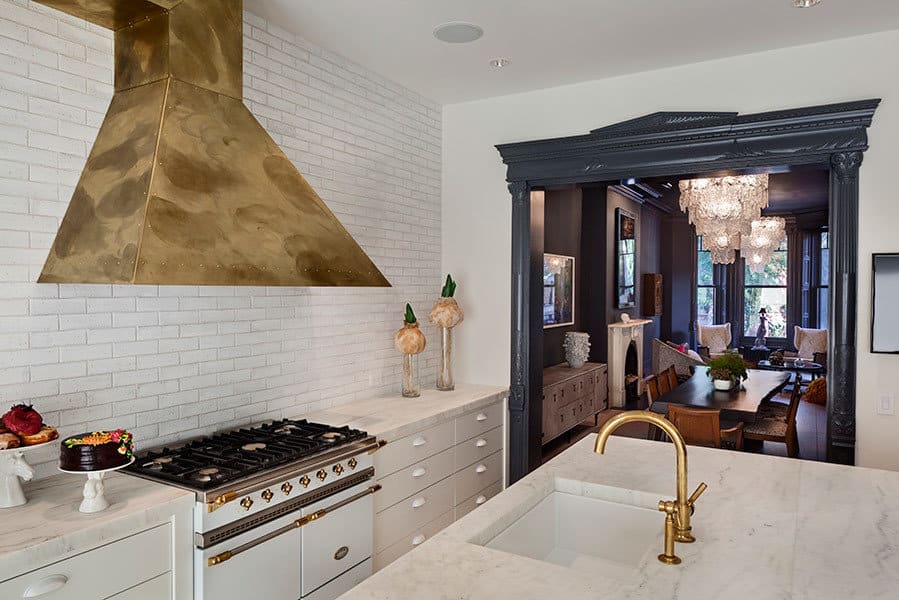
point(817, 392)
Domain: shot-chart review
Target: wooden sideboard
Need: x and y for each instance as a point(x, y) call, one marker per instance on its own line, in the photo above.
point(570, 396)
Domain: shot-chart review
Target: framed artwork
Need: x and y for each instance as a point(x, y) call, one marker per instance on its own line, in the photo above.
point(885, 291)
point(558, 290)
point(625, 259)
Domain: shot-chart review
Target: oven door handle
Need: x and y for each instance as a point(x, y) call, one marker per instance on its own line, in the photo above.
point(302, 521)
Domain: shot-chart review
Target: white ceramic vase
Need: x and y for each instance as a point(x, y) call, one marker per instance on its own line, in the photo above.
point(722, 385)
point(577, 348)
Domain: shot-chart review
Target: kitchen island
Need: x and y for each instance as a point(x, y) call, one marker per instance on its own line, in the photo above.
point(766, 528)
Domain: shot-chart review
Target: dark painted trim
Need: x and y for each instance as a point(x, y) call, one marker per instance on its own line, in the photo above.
point(684, 144)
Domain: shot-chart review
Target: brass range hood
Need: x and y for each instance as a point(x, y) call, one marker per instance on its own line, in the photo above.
point(183, 186)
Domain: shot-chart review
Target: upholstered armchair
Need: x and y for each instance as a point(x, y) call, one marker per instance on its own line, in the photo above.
point(811, 344)
point(713, 340)
point(665, 355)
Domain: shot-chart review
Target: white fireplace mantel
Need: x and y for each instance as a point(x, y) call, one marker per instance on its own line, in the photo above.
point(621, 334)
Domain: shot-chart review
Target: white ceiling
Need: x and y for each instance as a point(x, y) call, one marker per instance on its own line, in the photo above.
point(556, 42)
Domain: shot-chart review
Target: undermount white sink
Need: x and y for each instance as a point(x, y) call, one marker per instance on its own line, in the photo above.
point(588, 534)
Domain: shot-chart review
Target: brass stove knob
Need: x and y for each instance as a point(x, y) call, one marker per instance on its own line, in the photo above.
point(352, 463)
point(305, 481)
point(246, 503)
point(267, 495)
point(321, 475)
point(286, 488)
point(338, 469)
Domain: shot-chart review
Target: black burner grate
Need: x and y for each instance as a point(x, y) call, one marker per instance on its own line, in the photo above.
point(209, 462)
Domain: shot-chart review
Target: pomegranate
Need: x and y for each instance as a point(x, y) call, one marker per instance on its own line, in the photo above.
point(23, 420)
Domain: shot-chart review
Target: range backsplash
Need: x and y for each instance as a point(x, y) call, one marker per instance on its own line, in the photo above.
point(169, 362)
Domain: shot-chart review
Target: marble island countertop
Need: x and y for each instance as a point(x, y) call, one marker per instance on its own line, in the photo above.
point(767, 528)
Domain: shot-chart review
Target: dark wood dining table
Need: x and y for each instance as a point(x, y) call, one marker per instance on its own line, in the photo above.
point(736, 405)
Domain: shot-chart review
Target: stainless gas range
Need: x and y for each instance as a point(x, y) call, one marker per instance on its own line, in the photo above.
point(283, 511)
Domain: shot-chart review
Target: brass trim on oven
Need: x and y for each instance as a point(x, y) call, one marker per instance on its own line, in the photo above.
point(220, 501)
point(301, 522)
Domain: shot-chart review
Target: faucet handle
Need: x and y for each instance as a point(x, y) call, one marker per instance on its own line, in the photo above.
point(695, 495)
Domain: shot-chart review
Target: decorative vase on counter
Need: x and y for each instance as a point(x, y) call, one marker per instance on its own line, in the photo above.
point(411, 342)
point(577, 348)
point(446, 314)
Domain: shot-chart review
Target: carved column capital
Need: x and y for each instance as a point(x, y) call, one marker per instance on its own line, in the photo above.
point(519, 191)
point(846, 165)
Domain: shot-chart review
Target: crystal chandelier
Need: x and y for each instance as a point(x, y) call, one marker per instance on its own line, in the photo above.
point(763, 240)
point(722, 209)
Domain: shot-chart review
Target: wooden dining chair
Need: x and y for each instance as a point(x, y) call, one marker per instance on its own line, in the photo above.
point(777, 424)
point(651, 389)
point(671, 375)
point(702, 427)
point(664, 383)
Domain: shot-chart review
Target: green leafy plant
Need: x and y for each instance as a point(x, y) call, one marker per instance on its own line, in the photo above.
point(410, 315)
point(728, 366)
point(449, 288)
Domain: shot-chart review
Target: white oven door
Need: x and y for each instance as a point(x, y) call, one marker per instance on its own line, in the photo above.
point(339, 540)
point(267, 569)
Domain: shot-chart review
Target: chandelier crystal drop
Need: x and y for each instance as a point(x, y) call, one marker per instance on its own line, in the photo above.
point(758, 247)
point(722, 209)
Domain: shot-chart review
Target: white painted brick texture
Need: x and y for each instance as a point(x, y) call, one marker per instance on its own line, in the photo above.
point(170, 362)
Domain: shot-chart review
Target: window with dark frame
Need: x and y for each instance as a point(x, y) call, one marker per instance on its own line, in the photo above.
point(823, 282)
point(767, 290)
point(706, 288)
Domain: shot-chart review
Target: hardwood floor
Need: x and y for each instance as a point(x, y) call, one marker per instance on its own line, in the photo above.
point(811, 424)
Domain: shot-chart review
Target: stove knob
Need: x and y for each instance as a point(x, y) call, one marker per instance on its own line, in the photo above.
point(286, 488)
point(267, 495)
point(246, 503)
point(352, 463)
point(338, 469)
point(305, 481)
point(321, 475)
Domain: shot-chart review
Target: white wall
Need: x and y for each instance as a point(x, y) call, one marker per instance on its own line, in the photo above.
point(170, 362)
point(477, 207)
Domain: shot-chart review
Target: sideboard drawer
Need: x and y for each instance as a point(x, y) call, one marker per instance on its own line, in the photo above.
point(478, 447)
point(478, 476)
point(101, 572)
point(413, 479)
point(479, 421)
point(405, 451)
point(413, 512)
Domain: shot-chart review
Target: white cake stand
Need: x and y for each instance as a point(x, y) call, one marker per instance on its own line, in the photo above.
point(94, 498)
point(13, 467)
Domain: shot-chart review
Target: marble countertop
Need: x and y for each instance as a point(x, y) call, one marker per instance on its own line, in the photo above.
point(393, 417)
point(49, 527)
point(767, 528)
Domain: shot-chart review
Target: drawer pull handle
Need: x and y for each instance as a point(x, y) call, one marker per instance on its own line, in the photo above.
point(480, 500)
point(418, 539)
point(480, 468)
point(419, 472)
point(45, 586)
point(419, 502)
point(480, 443)
point(420, 441)
point(481, 417)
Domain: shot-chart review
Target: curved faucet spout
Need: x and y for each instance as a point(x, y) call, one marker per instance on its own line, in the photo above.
point(683, 504)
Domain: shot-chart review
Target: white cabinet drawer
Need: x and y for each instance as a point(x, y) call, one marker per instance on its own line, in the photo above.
point(479, 421)
point(478, 499)
point(414, 448)
point(413, 540)
point(158, 588)
point(413, 479)
point(415, 511)
point(478, 448)
point(478, 476)
point(101, 572)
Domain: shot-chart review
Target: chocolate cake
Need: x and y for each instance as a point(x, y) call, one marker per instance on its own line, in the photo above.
point(96, 451)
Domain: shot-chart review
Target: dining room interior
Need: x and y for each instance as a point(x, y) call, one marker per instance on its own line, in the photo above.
point(651, 285)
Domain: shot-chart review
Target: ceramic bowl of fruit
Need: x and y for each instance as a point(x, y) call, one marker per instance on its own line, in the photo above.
point(22, 426)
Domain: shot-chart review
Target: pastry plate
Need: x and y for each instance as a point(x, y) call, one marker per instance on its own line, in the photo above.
point(26, 449)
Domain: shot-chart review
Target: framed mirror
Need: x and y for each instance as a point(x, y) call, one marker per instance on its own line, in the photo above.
point(625, 259)
point(558, 290)
point(885, 289)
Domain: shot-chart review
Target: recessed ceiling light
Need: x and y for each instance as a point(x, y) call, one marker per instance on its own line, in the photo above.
point(458, 32)
point(499, 63)
point(805, 3)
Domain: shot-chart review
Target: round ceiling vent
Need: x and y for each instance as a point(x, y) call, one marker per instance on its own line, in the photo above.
point(458, 32)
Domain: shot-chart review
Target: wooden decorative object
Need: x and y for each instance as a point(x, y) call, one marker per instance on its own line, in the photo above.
point(651, 295)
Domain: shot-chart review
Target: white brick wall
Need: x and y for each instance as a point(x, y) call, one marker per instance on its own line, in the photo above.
point(170, 362)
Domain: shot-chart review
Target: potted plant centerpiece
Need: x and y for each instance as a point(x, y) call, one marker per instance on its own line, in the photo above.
point(727, 371)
